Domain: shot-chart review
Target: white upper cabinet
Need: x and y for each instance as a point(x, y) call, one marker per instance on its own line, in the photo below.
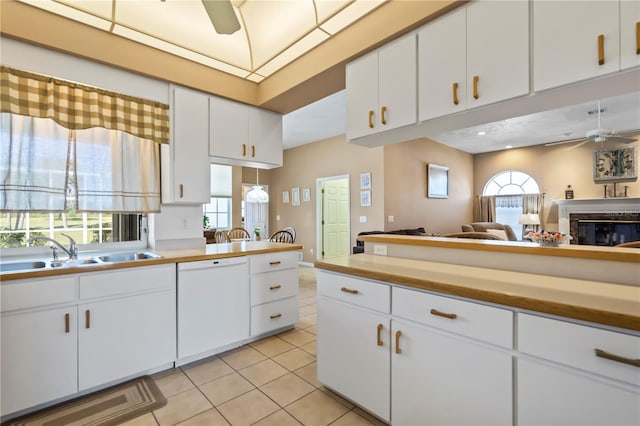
point(244, 135)
point(629, 33)
point(574, 41)
point(381, 89)
point(185, 161)
point(473, 57)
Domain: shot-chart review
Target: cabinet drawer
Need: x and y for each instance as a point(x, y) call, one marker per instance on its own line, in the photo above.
point(129, 280)
point(361, 292)
point(21, 294)
point(274, 315)
point(275, 285)
point(273, 261)
point(493, 325)
point(575, 345)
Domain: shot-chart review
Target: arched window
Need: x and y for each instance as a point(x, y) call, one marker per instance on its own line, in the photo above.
point(511, 182)
point(508, 187)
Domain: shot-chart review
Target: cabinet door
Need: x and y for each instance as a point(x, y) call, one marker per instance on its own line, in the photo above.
point(265, 137)
point(126, 336)
point(442, 63)
point(189, 147)
point(629, 39)
point(497, 51)
point(213, 308)
point(549, 395)
point(397, 80)
point(565, 41)
point(229, 135)
point(39, 357)
point(349, 357)
point(362, 96)
point(441, 379)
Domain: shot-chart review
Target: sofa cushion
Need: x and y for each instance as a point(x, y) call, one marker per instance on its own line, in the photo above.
point(484, 226)
point(500, 233)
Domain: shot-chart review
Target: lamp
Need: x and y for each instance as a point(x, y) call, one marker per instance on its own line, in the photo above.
point(529, 219)
point(257, 194)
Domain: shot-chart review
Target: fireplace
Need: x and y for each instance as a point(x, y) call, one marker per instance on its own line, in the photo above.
point(602, 222)
point(604, 229)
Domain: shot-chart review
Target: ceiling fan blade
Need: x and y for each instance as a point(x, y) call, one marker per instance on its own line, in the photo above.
point(222, 16)
point(621, 139)
point(567, 141)
point(569, 148)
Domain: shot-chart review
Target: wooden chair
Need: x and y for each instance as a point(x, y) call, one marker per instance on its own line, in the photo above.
point(222, 237)
point(282, 237)
point(238, 234)
point(291, 231)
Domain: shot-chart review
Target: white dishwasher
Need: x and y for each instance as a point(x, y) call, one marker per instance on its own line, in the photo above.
point(214, 305)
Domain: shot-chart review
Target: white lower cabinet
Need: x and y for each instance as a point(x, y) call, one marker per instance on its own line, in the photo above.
point(65, 335)
point(213, 305)
point(39, 355)
point(353, 340)
point(573, 374)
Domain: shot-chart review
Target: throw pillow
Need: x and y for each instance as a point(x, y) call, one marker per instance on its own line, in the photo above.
point(500, 233)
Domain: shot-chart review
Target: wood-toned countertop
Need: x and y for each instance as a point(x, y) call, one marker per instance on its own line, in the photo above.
point(619, 254)
point(615, 305)
point(210, 251)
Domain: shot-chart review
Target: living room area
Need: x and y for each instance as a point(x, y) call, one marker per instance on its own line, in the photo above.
point(398, 200)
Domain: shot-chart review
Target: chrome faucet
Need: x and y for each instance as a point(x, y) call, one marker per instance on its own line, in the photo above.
point(72, 251)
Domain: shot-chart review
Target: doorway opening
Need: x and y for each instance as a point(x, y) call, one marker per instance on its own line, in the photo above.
point(332, 213)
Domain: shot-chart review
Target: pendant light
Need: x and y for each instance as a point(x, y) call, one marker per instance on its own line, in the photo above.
point(257, 194)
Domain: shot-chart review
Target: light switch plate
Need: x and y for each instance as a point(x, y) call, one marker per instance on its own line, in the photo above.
point(363, 219)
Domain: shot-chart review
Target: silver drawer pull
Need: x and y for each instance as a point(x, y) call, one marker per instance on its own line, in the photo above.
point(443, 314)
point(348, 290)
point(606, 355)
point(275, 316)
point(275, 287)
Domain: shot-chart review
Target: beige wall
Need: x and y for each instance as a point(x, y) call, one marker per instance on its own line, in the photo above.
point(553, 168)
point(327, 158)
point(405, 171)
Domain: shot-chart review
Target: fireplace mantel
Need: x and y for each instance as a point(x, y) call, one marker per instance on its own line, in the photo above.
point(608, 206)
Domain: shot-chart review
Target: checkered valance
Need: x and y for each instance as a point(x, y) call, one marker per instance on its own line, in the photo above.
point(77, 107)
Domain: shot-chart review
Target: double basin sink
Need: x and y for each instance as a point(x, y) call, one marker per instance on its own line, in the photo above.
point(111, 258)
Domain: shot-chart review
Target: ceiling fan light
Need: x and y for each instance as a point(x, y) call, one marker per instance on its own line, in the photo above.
point(222, 16)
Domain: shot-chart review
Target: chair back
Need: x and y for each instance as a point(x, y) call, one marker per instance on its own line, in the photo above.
point(238, 234)
point(222, 237)
point(291, 231)
point(282, 237)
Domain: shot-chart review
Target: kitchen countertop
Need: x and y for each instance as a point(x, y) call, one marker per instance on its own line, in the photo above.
point(616, 305)
point(210, 251)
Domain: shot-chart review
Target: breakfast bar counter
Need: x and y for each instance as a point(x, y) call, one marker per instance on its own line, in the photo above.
point(610, 304)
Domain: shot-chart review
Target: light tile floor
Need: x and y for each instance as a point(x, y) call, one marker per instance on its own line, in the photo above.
point(268, 382)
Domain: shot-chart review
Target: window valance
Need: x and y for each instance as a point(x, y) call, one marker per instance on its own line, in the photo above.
point(76, 106)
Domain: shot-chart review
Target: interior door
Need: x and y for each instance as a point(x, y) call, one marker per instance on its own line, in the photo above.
point(335, 217)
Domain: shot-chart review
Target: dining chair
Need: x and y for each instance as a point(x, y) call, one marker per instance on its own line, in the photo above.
point(238, 234)
point(292, 231)
point(282, 237)
point(222, 237)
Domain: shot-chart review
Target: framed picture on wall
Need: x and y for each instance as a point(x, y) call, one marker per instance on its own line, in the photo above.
point(615, 164)
point(365, 181)
point(437, 181)
point(365, 198)
point(295, 196)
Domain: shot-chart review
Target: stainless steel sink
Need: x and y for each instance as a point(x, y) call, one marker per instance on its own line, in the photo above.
point(22, 266)
point(127, 257)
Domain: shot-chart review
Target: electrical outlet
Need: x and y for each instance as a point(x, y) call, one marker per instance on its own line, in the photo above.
point(363, 219)
point(390, 219)
point(380, 249)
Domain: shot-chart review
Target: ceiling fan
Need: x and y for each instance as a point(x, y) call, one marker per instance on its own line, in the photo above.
point(222, 16)
point(599, 134)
